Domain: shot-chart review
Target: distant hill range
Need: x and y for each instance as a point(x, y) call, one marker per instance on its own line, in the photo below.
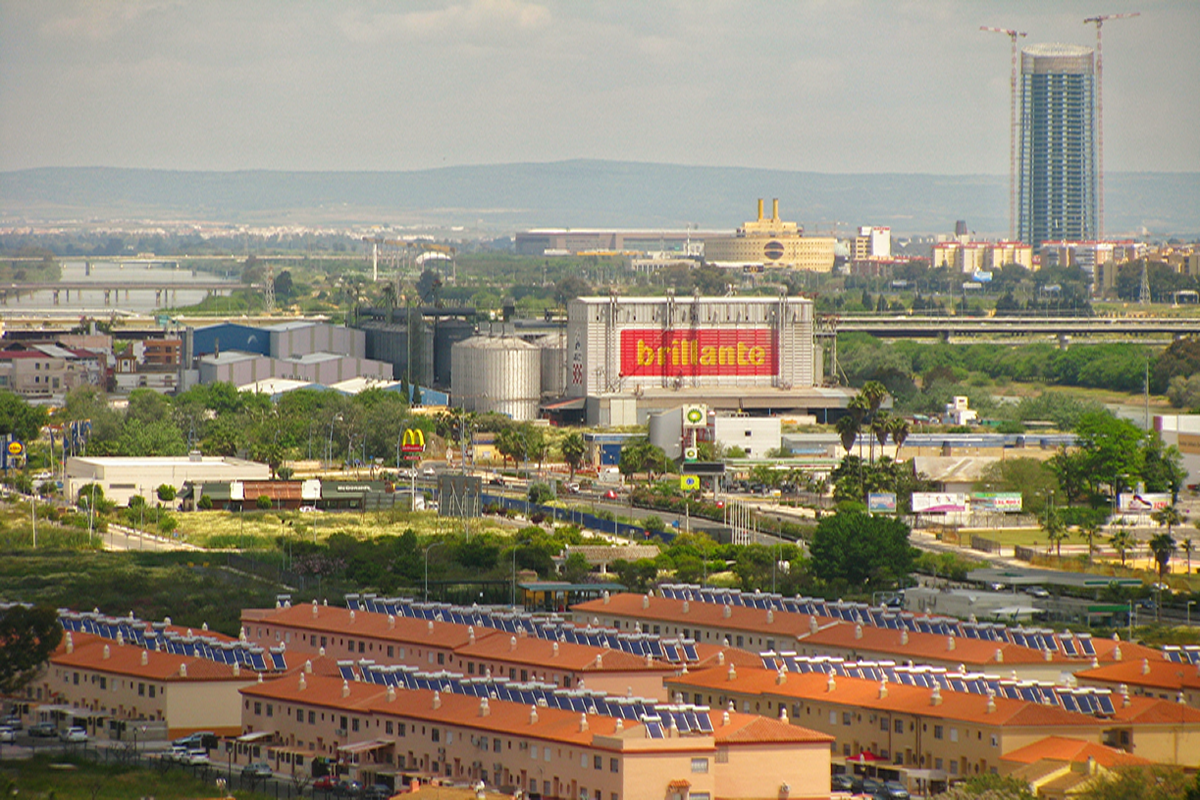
point(508, 197)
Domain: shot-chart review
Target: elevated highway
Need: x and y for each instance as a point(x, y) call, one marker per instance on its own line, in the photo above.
point(116, 290)
point(945, 328)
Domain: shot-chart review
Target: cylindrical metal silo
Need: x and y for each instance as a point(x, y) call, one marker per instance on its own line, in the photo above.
point(500, 374)
point(554, 355)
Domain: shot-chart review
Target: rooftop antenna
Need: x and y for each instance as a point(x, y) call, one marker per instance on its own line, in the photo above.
point(1099, 23)
point(1012, 128)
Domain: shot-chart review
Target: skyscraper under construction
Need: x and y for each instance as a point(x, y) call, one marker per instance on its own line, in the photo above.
point(1058, 144)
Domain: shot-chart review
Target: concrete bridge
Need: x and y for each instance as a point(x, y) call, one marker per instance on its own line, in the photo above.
point(116, 290)
point(1063, 328)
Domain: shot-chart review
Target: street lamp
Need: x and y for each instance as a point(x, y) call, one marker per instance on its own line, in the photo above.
point(429, 547)
point(329, 445)
point(1190, 603)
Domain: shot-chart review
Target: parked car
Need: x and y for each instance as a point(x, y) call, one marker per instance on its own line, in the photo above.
point(611, 494)
point(845, 783)
point(13, 722)
point(195, 741)
point(871, 786)
point(1037, 591)
point(193, 758)
point(378, 791)
point(73, 735)
point(892, 790)
point(429, 472)
point(7, 735)
point(496, 481)
point(43, 729)
point(347, 788)
point(326, 782)
point(259, 769)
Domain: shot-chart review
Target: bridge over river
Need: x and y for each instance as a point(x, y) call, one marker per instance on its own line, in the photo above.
point(1063, 328)
point(115, 291)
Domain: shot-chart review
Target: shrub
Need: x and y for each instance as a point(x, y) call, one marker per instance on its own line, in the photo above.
point(204, 503)
point(263, 502)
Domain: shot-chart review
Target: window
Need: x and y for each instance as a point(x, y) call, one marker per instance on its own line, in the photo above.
point(441, 658)
point(899, 726)
point(699, 765)
point(937, 763)
point(954, 734)
point(270, 710)
point(833, 718)
point(153, 689)
point(103, 682)
point(470, 667)
point(614, 765)
point(391, 651)
point(435, 735)
point(350, 645)
point(345, 724)
point(953, 767)
point(847, 718)
point(533, 751)
point(938, 733)
point(361, 647)
point(354, 724)
point(387, 727)
point(257, 708)
point(312, 718)
point(142, 693)
point(496, 746)
point(598, 762)
point(995, 740)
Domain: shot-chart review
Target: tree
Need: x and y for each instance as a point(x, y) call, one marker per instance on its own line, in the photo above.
point(1162, 467)
point(1034, 479)
point(1186, 545)
point(573, 450)
point(166, 493)
point(1053, 526)
point(575, 568)
point(19, 418)
point(263, 503)
point(848, 428)
point(881, 426)
point(1169, 516)
point(1142, 783)
point(898, 428)
point(540, 493)
point(989, 787)
point(1123, 542)
point(1112, 450)
point(1162, 546)
point(860, 549)
point(1090, 530)
point(30, 635)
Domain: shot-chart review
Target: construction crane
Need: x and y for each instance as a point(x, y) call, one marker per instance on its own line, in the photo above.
point(1012, 128)
point(1099, 21)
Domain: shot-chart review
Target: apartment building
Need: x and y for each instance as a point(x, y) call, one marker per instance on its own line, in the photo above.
point(375, 732)
point(470, 650)
point(763, 629)
point(958, 733)
point(112, 680)
point(1165, 680)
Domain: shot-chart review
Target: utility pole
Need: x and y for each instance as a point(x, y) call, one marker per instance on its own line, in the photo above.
point(1012, 128)
point(1099, 21)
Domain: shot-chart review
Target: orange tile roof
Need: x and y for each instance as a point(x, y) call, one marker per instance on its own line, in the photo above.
point(569, 656)
point(1157, 674)
point(710, 654)
point(711, 615)
point(88, 653)
point(901, 698)
point(512, 718)
point(922, 647)
point(1153, 711)
point(403, 630)
point(1062, 748)
point(1106, 651)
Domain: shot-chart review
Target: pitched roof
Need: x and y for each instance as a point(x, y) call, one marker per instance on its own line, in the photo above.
point(1157, 674)
point(558, 655)
point(1062, 748)
point(318, 690)
point(753, 729)
point(88, 653)
point(402, 630)
point(1153, 711)
point(902, 698)
point(711, 615)
point(923, 647)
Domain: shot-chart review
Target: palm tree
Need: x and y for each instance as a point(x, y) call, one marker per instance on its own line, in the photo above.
point(1122, 541)
point(1162, 546)
point(1187, 549)
point(1054, 528)
point(1169, 516)
point(848, 428)
point(1090, 530)
point(898, 428)
point(873, 394)
point(881, 425)
point(573, 449)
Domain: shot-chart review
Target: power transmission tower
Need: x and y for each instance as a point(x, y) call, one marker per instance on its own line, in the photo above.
point(1144, 291)
point(1012, 129)
point(269, 290)
point(1099, 23)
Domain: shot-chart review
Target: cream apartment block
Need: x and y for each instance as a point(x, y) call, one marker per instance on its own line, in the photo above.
point(115, 681)
point(961, 733)
point(552, 752)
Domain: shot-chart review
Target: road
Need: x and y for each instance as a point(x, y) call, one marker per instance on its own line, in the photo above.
point(118, 537)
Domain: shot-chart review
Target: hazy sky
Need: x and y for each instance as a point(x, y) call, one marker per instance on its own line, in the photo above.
point(821, 85)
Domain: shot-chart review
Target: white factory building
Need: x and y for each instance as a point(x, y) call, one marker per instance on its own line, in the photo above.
point(121, 478)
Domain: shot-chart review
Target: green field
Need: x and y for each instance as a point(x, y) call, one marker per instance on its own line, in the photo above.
point(62, 778)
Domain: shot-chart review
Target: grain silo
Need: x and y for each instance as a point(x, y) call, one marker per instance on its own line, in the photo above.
point(554, 363)
point(501, 374)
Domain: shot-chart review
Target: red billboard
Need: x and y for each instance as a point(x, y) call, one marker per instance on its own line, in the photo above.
point(654, 352)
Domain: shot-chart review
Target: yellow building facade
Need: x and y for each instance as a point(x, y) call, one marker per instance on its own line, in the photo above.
point(771, 242)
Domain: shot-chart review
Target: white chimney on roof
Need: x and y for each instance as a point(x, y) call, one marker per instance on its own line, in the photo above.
point(146, 658)
point(237, 669)
point(950, 642)
point(391, 695)
point(183, 670)
point(512, 643)
point(883, 689)
point(721, 658)
point(620, 725)
point(352, 616)
point(70, 641)
point(858, 632)
point(315, 608)
point(583, 723)
point(645, 601)
point(606, 597)
point(935, 699)
point(724, 718)
point(770, 615)
point(484, 709)
point(732, 673)
point(904, 636)
point(471, 634)
point(727, 611)
point(830, 684)
point(783, 717)
point(303, 683)
point(599, 660)
point(1145, 666)
point(686, 606)
point(107, 653)
point(812, 624)
point(999, 656)
point(391, 622)
point(781, 677)
point(321, 651)
point(554, 649)
point(437, 699)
